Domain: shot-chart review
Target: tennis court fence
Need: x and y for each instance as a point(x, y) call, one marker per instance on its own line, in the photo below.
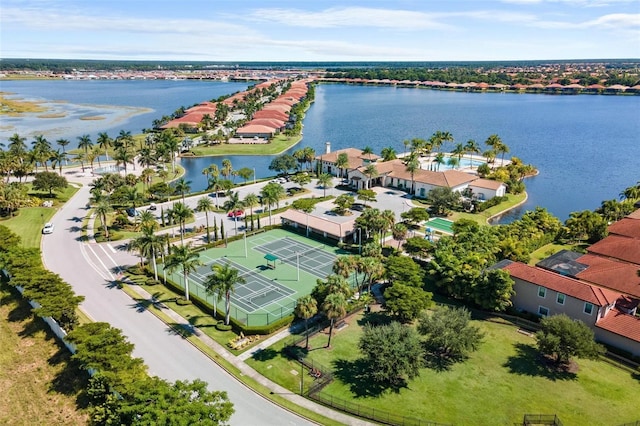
point(247, 318)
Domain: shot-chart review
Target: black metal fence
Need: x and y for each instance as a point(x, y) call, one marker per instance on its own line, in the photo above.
point(541, 419)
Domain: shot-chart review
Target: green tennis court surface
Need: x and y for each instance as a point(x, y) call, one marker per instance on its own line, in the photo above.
point(272, 288)
point(440, 224)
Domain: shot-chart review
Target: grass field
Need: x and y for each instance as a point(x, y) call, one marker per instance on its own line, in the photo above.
point(279, 144)
point(496, 386)
point(549, 249)
point(39, 386)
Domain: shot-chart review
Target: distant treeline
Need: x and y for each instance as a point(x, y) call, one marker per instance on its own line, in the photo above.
point(69, 65)
point(606, 75)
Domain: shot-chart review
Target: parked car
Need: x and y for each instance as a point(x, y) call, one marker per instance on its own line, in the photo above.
point(131, 212)
point(153, 206)
point(235, 213)
point(48, 228)
point(358, 207)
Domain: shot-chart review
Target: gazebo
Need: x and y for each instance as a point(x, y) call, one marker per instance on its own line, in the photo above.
point(271, 258)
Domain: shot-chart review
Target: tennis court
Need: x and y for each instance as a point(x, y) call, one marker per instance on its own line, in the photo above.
point(314, 260)
point(440, 224)
point(258, 292)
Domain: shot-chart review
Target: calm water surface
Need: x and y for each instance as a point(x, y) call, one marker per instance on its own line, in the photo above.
point(587, 148)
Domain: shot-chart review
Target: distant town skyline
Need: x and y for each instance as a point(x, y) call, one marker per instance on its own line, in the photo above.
point(374, 30)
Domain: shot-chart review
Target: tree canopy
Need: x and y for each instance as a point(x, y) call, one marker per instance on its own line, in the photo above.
point(563, 338)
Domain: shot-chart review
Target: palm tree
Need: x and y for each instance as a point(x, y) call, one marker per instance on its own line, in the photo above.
point(368, 151)
point(232, 204)
point(223, 281)
point(171, 145)
point(104, 142)
point(132, 195)
point(148, 245)
point(306, 307)
point(388, 154)
point(459, 151)
point(387, 220)
point(412, 164)
point(205, 205)
point(102, 209)
point(123, 157)
point(227, 168)
point(342, 162)
point(439, 159)
point(181, 213)
point(63, 143)
point(57, 158)
point(371, 171)
point(453, 162)
point(334, 307)
point(124, 139)
point(399, 232)
point(184, 258)
point(472, 147)
point(41, 151)
point(215, 185)
point(251, 200)
point(84, 143)
point(182, 186)
point(325, 180)
point(503, 149)
point(271, 194)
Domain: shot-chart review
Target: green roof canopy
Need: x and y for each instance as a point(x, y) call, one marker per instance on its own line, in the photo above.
point(271, 257)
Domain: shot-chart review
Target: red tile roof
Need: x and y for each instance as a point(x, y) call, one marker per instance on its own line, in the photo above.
point(270, 122)
point(622, 324)
point(355, 156)
point(487, 184)
point(556, 282)
point(627, 227)
point(609, 273)
point(617, 247)
point(271, 114)
point(255, 128)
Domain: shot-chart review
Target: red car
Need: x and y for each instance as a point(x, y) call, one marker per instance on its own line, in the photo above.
point(235, 213)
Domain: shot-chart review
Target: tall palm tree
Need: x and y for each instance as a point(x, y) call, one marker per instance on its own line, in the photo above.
point(325, 180)
point(232, 204)
point(63, 143)
point(182, 186)
point(387, 220)
point(388, 154)
point(399, 232)
point(251, 200)
point(184, 258)
point(205, 205)
point(124, 139)
point(439, 159)
point(132, 196)
point(368, 151)
point(372, 172)
point(170, 145)
point(227, 168)
point(41, 151)
point(84, 143)
point(459, 151)
point(104, 142)
point(412, 164)
point(306, 308)
point(102, 209)
point(123, 157)
point(17, 147)
point(271, 194)
point(223, 281)
point(57, 158)
point(472, 147)
point(342, 162)
point(215, 184)
point(334, 307)
point(181, 213)
point(148, 244)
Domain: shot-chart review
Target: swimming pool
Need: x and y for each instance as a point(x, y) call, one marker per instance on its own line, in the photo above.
point(465, 163)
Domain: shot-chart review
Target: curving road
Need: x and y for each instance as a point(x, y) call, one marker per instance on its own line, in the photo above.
point(89, 268)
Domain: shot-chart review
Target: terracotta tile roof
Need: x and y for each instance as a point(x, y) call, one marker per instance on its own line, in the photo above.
point(255, 128)
point(609, 273)
point(634, 215)
point(627, 227)
point(556, 282)
point(487, 184)
point(622, 324)
point(617, 247)
point(277, 107)
point(355, 156)
point(271, 114)
point(269, 122)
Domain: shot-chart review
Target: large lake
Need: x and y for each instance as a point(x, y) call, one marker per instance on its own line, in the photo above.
point(587, 148)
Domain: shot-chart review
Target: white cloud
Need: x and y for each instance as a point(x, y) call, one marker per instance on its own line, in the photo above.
point(584, 3)
point(616, 21)
point(350, 17)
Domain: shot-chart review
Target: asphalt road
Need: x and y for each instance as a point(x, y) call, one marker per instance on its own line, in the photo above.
point(89, 268)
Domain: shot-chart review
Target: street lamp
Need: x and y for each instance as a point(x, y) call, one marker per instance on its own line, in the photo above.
point(254, 175)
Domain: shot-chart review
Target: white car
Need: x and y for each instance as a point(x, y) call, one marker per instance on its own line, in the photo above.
point(48, 228)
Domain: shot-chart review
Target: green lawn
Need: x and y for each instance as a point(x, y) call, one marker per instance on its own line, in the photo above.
point(497, 385)
point(277, 145)
point(549, 249)
point(483, 217)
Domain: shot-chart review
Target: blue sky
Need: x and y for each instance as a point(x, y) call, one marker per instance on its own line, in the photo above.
point(374, 30)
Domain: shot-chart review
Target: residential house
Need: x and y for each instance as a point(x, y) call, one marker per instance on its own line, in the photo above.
point(608, 313)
